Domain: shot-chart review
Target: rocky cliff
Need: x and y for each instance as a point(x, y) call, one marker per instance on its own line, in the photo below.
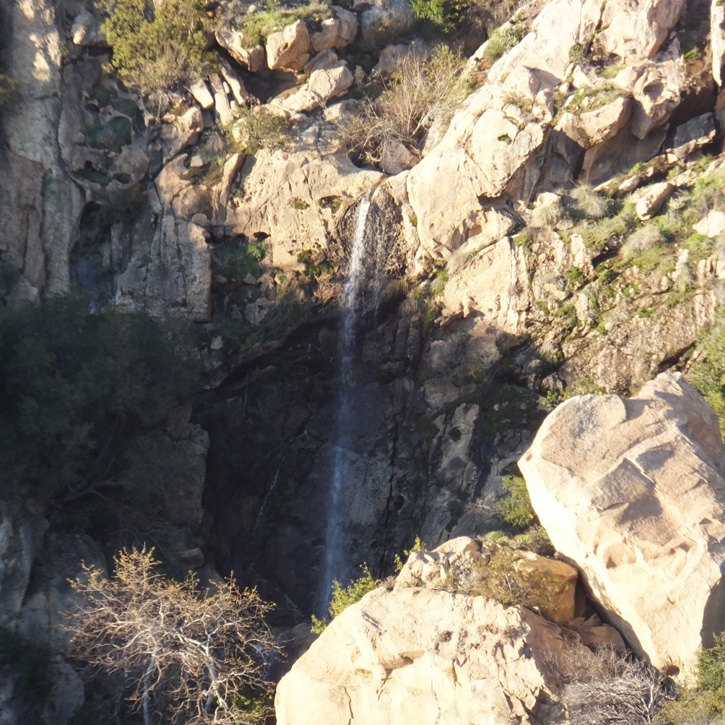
point(555, 226)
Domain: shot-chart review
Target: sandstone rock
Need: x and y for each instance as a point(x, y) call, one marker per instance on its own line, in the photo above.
point(712, 224)
point(396, 158)
point(636, 31)
point(201, 94)
point(221, 101)
point(183, 131)
point(251, 56)
point(419, 656)
point(289, 49)
point(696, 133)
point(652, 199)
point(229, 173)
point(633, 492)
point(325, 59)
point(335, 32)
point(235, 82)
point(717, 39)
point(462, 564)
point(593, 127)
point(170, 274)
point(384, 19)
point(658, 91)
point(280, 178)
point(391, 56)
point(324, 84)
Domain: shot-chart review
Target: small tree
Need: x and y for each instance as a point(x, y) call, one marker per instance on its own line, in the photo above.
point(192, 655)
point(156, 46)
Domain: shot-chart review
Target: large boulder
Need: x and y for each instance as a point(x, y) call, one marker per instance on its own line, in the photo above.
point(633, 492)
point(289, 49)
point(419, 656)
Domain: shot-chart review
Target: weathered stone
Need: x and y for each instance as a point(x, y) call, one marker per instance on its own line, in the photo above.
point(171, 274)
point(236, 84)
point(633, 491)
point(233, 41)
point(289, 49)
point(657, 91)
point(221, 101)
point(335, 32)
point(418, 656)
point(396, 158)
point(593, 127)
point(325, 59)
point(636, 31)
point(712, 224)
point(201, 94)
point(391, 56)
point(652, 199)
point(183, 131)
point(717, 39)
point(384, 19)
point(324, 84)
point(693, 135)
point(85, 30)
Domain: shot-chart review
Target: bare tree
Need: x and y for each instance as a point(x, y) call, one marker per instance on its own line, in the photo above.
point(191, 655)
point(610, 689)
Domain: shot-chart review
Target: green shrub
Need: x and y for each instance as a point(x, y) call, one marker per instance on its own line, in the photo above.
point(257, 26)
point(236, 260)
point(502, 39)
point(708, 374)
point(343, 597)
point(256, 129)
point(443, 16)
point(157, 46)
point(76, 389)
point(516, 509)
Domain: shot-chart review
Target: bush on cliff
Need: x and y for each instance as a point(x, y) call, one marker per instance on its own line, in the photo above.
point(77, 390)
point(708, 374)
point(156, 46)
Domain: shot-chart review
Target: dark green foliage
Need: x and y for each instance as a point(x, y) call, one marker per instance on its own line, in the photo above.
point(156, 46)
point(343, 597)
point(236, 260)
point(77, 389)
point(29, 662)
point(708, 374)
point(111, 136)
point(516, 509)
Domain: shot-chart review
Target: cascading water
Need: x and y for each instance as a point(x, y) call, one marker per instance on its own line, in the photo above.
point(335, 556)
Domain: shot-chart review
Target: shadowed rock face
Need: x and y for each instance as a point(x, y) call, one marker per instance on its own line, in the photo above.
point(633, 492)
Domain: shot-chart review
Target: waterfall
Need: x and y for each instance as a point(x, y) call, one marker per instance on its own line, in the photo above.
point(336, 558)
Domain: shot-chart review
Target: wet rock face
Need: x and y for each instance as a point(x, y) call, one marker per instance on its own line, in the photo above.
point(633, 492)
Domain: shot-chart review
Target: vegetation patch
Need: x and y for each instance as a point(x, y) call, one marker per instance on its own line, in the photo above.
point(343, 597)
point(157, 46)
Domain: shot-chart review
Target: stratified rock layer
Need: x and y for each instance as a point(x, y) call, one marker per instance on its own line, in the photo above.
point(633, 492)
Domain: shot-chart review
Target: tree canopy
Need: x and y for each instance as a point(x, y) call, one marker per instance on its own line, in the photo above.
point(77, 390)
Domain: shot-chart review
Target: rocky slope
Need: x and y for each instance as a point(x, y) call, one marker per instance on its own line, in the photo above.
point(558, 229)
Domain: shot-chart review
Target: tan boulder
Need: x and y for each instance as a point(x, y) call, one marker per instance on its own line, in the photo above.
point(657, 91)
point(593, 127)
point(381, 20)
point(324, 84)
point(183, 131)
point(201, 94)
point(652, 199)
point(418, 656)
point(335, 32)
point(635, 31)
point(633, 492)
point(289, 49)
point(234, 42)
point(712, 224)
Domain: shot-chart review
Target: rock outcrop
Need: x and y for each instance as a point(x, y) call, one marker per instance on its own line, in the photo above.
point(421, 655)
point(633, 492)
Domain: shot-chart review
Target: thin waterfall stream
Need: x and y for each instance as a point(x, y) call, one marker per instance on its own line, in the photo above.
point(336, 558)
